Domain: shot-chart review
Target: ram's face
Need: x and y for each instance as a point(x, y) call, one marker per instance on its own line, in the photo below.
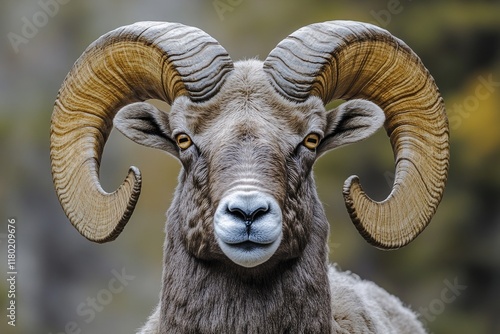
point(246, 189)
point(247, 170)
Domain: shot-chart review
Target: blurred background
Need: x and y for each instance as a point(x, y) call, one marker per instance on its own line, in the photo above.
point(450, 273)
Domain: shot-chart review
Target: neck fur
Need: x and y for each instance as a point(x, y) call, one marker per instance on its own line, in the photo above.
point(211, 297)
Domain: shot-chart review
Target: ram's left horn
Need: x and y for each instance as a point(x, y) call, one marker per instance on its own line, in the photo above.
point(350, 60)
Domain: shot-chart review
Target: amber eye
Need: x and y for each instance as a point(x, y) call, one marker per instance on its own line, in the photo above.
point(311, 141)
point(183, 141)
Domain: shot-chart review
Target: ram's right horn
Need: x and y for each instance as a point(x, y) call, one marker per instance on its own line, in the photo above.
point(145, 60)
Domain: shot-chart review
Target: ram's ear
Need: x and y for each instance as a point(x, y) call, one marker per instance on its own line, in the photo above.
point(351, 122)
point(146, 125)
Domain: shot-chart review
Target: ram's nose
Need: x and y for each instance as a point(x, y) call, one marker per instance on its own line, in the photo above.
point(247, 208)
point(248, 227)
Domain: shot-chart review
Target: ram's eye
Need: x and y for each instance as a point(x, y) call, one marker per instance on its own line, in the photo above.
point(311, 141)
point(183, 141)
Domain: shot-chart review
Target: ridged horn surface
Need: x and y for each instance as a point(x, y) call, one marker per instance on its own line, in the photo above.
point(348, 60)
point(145, 60)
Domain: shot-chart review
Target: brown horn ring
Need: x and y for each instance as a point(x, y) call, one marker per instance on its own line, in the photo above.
point(349, 60)
point(145, 60)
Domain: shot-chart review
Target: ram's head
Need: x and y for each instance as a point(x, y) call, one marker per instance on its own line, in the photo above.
point(247, 135)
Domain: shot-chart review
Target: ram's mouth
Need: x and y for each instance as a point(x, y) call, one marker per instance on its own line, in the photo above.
point(250, 246)
point(249, 254)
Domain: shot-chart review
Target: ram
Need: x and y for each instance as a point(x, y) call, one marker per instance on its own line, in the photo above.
point(246, 235)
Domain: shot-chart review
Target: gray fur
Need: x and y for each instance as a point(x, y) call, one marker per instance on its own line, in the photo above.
point(358, 307)
point(250, 136)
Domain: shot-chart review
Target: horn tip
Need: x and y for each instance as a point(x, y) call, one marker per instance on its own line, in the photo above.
point(129, 191)
point(359, 204)
point(133, 183)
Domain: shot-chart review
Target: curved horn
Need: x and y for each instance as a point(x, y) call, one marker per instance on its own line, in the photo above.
point(348, 60)
point(145, 60)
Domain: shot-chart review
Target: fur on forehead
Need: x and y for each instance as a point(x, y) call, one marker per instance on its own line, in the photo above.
point(248, 92)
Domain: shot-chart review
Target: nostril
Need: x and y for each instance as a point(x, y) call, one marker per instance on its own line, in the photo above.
point(237, 213)
point(247, 216)
point(259, 213)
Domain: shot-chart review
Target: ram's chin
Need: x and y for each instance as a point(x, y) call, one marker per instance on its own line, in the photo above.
point(249, 254)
